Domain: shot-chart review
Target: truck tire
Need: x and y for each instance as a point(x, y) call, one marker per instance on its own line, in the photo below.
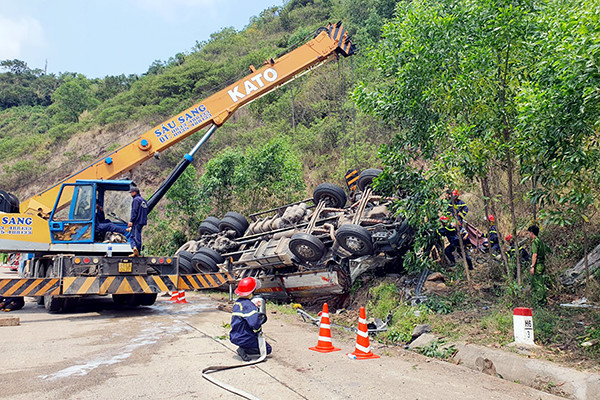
point(229, 223)
point(52, 304)
point(238, 217)
point(185, 262)
point(147, 299)
point(213, 254)
point(212, 220)
point(203, 263)
point(14, 202)
point(333, 195)
point(126, 300)
point(356, 239)
point(306, 247)
point(207, 228)
point(365, 179)
point(70, 303)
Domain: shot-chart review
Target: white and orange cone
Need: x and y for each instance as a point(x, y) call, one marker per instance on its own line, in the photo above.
point(181, 299)
point(362, 350)
point(174, 295)
point(324, 345)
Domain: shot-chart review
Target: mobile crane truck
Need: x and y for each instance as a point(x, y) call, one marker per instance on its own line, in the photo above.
point(70, 260)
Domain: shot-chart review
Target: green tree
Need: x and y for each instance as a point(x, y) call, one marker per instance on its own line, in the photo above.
point(183, 202)
point(559, 109)
point(71, 98)
point(449, 71)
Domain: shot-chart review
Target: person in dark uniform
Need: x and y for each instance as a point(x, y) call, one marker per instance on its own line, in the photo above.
point(246, 321)
point(104, 225)
point(449, 231)
point(539, 251)
point(512, 246)
point(8, 304)
point(493, 235)
point(139, 218)
point(456, 207)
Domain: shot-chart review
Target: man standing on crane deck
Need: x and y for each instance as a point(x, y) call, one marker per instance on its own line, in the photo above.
point(139, 218)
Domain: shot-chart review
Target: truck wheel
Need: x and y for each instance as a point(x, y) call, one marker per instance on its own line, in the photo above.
point(212, 220)
point(238, 217)
point(366, 177)
point(70, 303)
point(333, 195)
point(207, 228)
point(307, 247)
point(126, 300)
point(52, 303)
point(147, 299)
point(203, 263)
point(14, 202)
point(185, 262)
point(356, 239)
point(213, 254)
point(229, 223)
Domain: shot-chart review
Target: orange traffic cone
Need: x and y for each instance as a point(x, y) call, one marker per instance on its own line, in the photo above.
point(181, 299)
point(362, 350)
point(174, 296)
point(324, 344)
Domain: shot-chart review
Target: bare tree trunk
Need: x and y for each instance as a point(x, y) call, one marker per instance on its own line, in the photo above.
point(485, 187)
point(585, 258)
point(511, 203)
point(509, 161)
point(293, 108)
point(462, 245)
point(534, 204)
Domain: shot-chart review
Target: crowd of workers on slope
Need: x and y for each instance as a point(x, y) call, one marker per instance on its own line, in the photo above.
point(453, 228)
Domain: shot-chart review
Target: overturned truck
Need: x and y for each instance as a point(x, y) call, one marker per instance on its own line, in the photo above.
point(309, 250)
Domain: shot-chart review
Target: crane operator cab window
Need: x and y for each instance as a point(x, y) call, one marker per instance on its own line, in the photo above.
point(73, 217)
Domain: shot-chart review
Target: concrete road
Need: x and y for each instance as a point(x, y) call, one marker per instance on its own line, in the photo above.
point(157, 352)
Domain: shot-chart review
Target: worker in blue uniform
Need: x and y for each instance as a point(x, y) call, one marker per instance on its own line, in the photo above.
point(493, 235)
point(246, 321)
point(104, 225)
point(456, 207)
point(449, 231)
point(8, 304)
point(139, 218)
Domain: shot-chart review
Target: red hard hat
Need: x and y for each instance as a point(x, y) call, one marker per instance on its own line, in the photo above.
point(444, 218)
point(455, 192)
point(246, 286)
point(508, 237)
point(491, 218)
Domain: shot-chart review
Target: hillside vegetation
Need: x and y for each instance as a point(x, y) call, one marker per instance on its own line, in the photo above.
point(499, 99)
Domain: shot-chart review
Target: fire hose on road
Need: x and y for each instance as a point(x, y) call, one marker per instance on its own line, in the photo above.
point(208, 370)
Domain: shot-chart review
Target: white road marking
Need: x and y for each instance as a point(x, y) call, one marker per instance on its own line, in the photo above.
point(148, 336)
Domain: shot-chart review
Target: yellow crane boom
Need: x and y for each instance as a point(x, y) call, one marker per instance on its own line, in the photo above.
point(213, 110)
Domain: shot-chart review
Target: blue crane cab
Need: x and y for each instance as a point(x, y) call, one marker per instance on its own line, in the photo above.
point(82, 207)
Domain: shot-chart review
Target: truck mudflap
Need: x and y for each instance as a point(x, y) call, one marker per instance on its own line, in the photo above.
point(121, 284)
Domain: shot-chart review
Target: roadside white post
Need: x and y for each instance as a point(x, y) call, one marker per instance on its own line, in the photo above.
point(523, 325)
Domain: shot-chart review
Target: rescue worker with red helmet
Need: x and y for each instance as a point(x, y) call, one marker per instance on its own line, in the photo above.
point(456, 207)
point(246, 320)
point(449, 231)
point(493, 235)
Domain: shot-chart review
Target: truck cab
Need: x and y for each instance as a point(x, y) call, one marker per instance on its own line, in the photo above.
point(82, 206)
